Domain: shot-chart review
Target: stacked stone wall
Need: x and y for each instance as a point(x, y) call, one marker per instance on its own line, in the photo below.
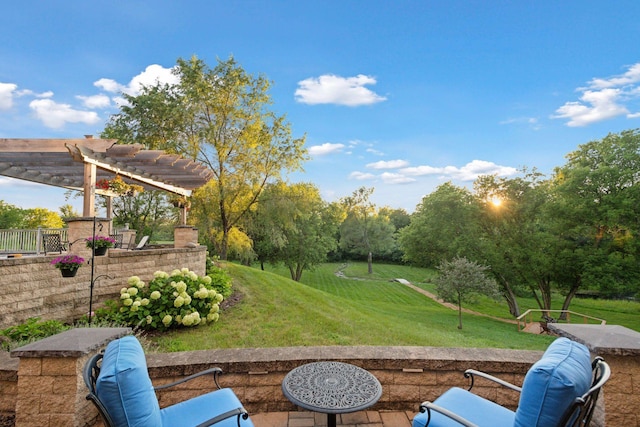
point(32, 287)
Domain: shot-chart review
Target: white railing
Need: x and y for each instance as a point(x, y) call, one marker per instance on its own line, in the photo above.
point(27, 241)
point(527, 317)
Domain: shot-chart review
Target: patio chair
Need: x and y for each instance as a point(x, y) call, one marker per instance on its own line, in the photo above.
point(560, 389)
point(52, 242)
point(120, 387)
point(142, 243)
point(118, 238)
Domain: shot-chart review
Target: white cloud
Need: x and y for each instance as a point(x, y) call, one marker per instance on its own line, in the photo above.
point(360, 176)
point(602, 105)
point(603, 99)
point(95, 101)
point(332, 89)
point(55, 115)
point(326, 148)
point(390, 164)
point(396, 178)
point(7, 91)
point(468, 172)
point(152, 75)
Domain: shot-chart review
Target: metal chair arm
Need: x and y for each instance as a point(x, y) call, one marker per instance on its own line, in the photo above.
point(238, 412)
point(215, 371)
point(472, 373)
point(428, 407)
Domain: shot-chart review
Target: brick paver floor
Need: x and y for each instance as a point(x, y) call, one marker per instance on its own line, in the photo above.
point(314, 419)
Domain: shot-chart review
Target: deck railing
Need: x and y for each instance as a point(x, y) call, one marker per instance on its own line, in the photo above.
point(545, 316)
point(27, 241)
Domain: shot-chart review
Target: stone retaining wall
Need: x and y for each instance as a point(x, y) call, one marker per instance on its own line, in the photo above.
point(32, 287)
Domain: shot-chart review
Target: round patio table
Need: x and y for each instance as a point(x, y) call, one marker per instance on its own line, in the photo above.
point(331, 388)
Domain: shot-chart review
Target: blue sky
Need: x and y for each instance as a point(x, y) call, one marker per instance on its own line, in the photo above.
point(397, 95)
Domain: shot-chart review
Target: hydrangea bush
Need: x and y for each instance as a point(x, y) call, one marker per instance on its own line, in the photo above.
point(179, 298)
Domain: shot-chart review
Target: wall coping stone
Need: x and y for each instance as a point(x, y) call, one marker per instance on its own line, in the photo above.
point(75, 342)
point(602, 340)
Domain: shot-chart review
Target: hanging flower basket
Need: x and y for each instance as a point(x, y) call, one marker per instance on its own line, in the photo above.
point(100, 243)
point(68, 272)
point(68, 264)
point(118, 186)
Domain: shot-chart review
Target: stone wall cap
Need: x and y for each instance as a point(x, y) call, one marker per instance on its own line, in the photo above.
point(75, 342)
point(601, 339)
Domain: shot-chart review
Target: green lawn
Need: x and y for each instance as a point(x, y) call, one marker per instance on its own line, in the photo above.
point(328, 310)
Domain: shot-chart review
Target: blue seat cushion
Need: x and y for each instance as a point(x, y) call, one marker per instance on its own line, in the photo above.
point(199, 409)
point(124, 386)
point(474, 408)
point(551, 385)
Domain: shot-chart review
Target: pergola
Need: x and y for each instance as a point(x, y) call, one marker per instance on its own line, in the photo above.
point(77, 164)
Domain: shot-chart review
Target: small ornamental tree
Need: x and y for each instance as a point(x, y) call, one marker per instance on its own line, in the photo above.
point(179, 298)
point(460, 279)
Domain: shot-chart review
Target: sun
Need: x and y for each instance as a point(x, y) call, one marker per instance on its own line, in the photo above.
point(495, 201)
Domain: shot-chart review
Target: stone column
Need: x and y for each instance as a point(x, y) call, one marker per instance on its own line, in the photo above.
point(51, 391)
point(82, 228)
point(185, 236)
point(620, 348)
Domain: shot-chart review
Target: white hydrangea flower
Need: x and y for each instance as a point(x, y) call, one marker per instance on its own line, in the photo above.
point(212, 293)
point(123, 290)
point(144, 301)
point(178, 302)
point(132, 291)
point(192, 275)
point(125, 296)
point(219, 297)
point(184, 270)
point(214, 308)
point(133, 280)
point(181, 287)
point(136, 304)
point(149, 319)
point(127, 302)
point(176, 272)
point(167, 320)
point(155, 295)
point(160, 274)
point(206, 280)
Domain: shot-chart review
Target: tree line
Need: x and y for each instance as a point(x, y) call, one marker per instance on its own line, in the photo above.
point(575, 230)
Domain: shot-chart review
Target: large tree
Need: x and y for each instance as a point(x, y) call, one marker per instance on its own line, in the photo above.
point(364, 232)
point(444, 226)
point(294, 226)
point(219, 116)
point(597, 206)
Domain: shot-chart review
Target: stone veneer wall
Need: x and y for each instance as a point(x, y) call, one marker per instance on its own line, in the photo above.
point(409, 375)
point(32, 287)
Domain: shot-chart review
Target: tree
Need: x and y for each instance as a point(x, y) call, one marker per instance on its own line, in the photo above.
point(11, 216)
point(148, 212)
point(459, 280)
point(41, 217)
point(597, 206)
point(364, 231)
point(294, 226)
point(444, 226)
point(516, 241)
point(219, 117)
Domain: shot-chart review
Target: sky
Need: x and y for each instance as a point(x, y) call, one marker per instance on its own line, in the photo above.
point(400, 96)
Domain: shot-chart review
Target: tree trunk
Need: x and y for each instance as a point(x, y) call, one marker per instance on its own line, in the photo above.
point(569, 297)
point(510, 297)
point(370, 263)
point(459, 311)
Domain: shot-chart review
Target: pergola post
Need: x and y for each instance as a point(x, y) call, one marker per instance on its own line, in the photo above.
point(89, 187)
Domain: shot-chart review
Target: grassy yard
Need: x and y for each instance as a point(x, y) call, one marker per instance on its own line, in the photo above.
point(329, 310)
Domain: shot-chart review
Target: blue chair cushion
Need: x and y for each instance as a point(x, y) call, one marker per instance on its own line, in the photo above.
point(467, 405)
point(199, 409)
point(124, 386)
point(552, 383)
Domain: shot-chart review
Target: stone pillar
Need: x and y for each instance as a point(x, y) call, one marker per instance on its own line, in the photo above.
point(82, 228)
point(51, 391)
point(185, 236)
point(620, 348)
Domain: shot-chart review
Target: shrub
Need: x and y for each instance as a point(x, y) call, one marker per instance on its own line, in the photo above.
point(179, 298)
point(220, 280)
point(31, 330)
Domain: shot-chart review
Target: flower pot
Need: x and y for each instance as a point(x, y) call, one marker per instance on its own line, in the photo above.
point(69, 272)
point(100, 251)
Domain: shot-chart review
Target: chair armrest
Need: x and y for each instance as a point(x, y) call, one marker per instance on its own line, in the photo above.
point(428, 407)
point(238, 412)
point(472, 373)
point(215, 371)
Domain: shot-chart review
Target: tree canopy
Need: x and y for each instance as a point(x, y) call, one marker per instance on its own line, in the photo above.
point(219, 116)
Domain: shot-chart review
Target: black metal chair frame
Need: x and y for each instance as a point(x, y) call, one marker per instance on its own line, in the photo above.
point(578, 414)
point(91, 372)
point(52, 242)
point(118, 238)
